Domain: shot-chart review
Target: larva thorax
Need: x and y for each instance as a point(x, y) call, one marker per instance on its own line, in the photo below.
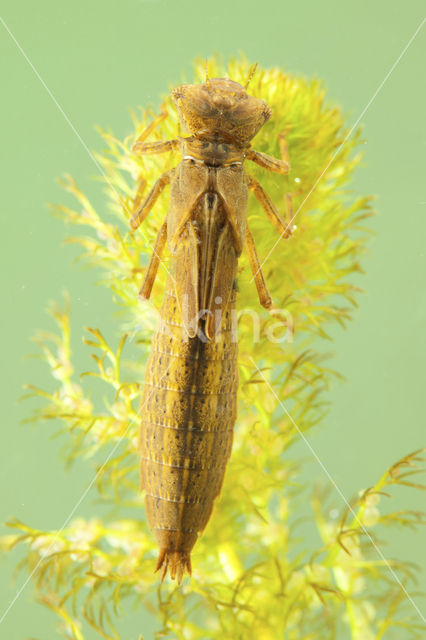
point(212, 152)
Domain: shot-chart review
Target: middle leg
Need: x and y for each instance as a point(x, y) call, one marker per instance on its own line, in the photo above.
point(283, 227)
point(140, 214)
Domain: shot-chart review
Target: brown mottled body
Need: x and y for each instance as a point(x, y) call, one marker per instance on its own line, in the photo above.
point(189, 410)
point(189, 402)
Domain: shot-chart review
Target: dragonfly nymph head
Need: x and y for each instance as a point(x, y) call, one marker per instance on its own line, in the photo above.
point(220, 108)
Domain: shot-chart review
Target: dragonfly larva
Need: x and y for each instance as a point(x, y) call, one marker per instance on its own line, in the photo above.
point(189, 402)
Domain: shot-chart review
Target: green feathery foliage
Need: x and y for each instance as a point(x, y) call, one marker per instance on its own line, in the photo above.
point(253, 576)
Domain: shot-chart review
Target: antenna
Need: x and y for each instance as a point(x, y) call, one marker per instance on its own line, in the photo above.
point(251, 73)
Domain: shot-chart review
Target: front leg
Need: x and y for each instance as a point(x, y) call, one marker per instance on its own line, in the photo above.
point(140, 214)
point(152, 126)
point(269, 162)
point(150, 148)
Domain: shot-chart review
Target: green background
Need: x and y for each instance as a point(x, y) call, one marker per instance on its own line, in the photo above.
point(100, 58)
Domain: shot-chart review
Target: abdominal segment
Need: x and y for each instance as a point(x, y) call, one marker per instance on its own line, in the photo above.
point(188, 411)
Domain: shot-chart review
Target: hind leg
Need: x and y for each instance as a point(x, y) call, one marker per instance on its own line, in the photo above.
point(142, 211)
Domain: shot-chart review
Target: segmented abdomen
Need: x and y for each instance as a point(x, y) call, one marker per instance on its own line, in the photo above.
point(188, 409)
